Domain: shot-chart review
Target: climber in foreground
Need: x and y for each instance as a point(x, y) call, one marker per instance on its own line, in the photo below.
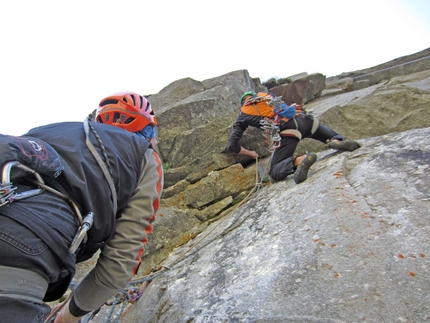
point(293, 123)
point(101, 184)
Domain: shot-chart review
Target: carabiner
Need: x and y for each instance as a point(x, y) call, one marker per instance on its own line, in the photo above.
point(82, 232)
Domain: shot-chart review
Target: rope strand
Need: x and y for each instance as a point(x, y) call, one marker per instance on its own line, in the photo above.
point(123, 296)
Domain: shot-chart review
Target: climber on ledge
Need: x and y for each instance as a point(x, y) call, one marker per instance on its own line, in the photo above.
point(293, 124)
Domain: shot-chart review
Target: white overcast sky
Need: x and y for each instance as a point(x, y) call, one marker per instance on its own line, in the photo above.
point(58, 59)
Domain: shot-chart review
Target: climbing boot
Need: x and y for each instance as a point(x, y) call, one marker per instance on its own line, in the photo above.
point(302, 170)
point(345, 145)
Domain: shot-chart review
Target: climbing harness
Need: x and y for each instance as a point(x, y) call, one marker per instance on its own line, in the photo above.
point(270, 126)
point(272, 114)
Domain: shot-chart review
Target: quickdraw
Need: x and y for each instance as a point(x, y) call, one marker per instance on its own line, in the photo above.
point(8, 193)
point(271, 129)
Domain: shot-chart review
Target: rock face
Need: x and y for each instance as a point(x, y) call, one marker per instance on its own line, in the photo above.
point(347, 245)
point(398, 67)
point(350, 244)
point(302, 90)
point(394, 105)
point(194, 121)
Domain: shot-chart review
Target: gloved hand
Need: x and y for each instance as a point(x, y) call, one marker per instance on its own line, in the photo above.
point(288, 111)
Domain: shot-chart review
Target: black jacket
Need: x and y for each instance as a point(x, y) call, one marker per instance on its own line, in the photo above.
point(241, 124)
point(82, 180)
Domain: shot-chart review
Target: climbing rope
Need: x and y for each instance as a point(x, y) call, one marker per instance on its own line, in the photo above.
point(133, 291)
point(137, 286)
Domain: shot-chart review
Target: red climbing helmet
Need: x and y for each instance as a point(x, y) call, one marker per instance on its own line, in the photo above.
point(126, 110)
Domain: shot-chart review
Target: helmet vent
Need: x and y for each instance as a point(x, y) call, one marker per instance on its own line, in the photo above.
point(106, 102)
point(122, 118)
point(134, 100)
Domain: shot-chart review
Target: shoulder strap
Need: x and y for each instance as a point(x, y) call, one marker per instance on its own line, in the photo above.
point(102, 165)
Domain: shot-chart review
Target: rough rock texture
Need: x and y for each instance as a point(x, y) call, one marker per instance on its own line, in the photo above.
point(405, 65)
point(341, 247)
point(195, 118)
point(350, 244)
point(397, 104)
point(194, 121)
point(302, 90)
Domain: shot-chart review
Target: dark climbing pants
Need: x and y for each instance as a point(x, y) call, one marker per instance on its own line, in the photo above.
point(282, 163)
point(22, 253)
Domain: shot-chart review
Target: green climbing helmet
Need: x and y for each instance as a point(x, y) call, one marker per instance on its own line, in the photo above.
point(248, 93)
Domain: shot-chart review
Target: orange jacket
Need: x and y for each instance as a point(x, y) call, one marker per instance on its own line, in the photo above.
point(259, 106)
